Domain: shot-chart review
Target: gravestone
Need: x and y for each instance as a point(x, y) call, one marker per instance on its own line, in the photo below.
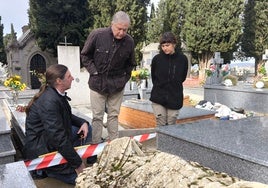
point(238, 148)
point(215, 78)
point(239, 96)
point(79, 92)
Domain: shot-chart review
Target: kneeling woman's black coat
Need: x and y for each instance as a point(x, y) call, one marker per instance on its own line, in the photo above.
point(49, 128)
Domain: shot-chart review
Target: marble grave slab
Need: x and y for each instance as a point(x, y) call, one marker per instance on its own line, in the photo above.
point(237, 147)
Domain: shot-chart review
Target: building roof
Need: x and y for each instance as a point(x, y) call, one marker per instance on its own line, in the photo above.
point(25, 37)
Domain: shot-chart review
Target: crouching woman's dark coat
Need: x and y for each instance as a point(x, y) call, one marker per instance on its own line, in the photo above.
point(49, 128)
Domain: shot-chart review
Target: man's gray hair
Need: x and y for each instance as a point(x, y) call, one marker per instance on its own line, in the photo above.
point(120, 17)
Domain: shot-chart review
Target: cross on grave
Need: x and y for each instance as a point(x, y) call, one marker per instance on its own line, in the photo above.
point(65, 42)
point(217, 58)
point(216, 77)
point(218, 61)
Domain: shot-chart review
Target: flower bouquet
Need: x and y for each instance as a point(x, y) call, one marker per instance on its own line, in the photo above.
point(262, 77)
point(225, 70)
point(139, 76)
point(212, 69)
point(14, 83)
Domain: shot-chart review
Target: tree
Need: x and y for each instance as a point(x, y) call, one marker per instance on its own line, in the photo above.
point(157, 23)
point(137, 11)
point(212, 26)
point(53, 20)
point(255, 29)
point(174, 19)
point(154, 26)
point(102, 11)
point(3, 57)
point(11, 38)
point(169, 17)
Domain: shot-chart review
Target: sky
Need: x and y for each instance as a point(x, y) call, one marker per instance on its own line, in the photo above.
point(15, 12)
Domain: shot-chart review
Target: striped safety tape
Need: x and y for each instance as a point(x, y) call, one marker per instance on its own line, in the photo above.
point(55, 158)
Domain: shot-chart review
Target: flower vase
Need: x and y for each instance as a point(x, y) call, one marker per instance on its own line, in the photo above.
point(143, 84)
point(141, 93)
point(15, 97)
point(209, 80)
point(133, 85)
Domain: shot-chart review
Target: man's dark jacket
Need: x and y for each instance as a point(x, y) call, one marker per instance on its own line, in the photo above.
point(48, 129)
point(109, 61)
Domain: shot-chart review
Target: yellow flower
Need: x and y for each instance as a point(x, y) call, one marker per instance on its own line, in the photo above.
point(17, 82)
point(134, 75)
point(17, 77)
point(6, 83)
point(14, 83)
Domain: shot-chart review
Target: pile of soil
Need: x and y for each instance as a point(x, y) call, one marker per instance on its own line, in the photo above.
point(123, 163)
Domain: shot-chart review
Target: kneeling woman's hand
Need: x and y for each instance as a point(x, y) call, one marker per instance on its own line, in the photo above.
point(80, 168)
point(83, 129)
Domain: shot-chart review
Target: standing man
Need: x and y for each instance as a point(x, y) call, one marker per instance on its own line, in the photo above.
point(108, 56)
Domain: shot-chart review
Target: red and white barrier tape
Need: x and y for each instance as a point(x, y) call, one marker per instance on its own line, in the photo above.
point(55, 158)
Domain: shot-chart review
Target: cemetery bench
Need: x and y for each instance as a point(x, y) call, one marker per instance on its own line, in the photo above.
point(137, 114)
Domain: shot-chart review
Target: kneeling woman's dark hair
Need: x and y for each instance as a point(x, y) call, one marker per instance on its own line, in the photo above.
point(52, 73)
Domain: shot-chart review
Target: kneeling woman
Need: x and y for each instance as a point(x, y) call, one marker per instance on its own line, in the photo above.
point(51, 126)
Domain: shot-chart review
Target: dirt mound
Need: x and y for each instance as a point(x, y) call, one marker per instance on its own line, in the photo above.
point(124, 164)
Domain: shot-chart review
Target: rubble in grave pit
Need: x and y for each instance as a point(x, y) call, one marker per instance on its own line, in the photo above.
point(124, 164)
